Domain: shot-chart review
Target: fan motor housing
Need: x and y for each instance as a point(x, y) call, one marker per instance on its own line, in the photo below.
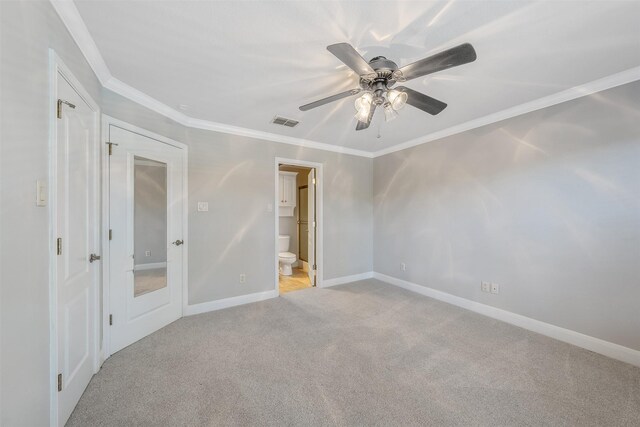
point(380, 63)
point(386, 74)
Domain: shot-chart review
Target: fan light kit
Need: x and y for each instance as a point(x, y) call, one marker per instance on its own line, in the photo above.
point(379, 75)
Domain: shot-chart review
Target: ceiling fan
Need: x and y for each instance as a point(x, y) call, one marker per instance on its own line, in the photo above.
point(378, 76)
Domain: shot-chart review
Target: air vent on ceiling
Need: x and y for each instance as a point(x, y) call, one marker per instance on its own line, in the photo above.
point(284, 121)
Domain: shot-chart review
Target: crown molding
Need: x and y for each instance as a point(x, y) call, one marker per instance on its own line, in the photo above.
point(71, 18)
point(592, 87)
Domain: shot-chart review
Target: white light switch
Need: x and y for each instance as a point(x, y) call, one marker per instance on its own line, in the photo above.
point(203, 206)
point(41, 193)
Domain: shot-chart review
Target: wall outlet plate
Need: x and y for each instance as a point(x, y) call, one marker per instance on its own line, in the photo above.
point(147, 253)
point(495, 288)
point(243, 278)
point(403, 266)
point(485, 286)
point(203, 206)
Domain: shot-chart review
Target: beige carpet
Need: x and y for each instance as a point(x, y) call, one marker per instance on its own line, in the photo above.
point(360, 354)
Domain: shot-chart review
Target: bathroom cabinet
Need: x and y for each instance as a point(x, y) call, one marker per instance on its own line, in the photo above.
point(287, 196)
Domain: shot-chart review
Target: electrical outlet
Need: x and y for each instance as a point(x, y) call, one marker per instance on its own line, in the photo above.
point(243, 278)
point(403, 266)
point(495, 288)
point(485, 286)
point(203, 206)
point(147, 253)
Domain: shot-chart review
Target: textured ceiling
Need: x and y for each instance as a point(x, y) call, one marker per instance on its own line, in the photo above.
point(241, 63)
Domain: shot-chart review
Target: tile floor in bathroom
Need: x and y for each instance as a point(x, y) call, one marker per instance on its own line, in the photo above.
point(298, 280)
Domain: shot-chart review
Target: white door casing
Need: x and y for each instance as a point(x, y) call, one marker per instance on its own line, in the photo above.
point(311, 221)
point(134, 317)
point(75, 218)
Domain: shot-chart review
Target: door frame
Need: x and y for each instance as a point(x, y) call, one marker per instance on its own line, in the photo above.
point(299, 223)
point(319, 215)
point(58, 67)
point(108, 121)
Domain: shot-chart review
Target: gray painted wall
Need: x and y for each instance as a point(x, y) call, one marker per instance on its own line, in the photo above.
point(547, 205)
point(236, 176)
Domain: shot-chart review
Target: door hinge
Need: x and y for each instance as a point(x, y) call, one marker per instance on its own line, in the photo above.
point(59, 382)
point(59, 246)
point(59, 107)
point(110, 234)
point(110, 319)
point(315, 267)
point(314, 224)
point(313, 181)
point(111, 144)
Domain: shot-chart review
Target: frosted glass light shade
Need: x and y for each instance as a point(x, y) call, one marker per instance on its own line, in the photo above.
point(364, 101)
point(363, 106)
point(363, 113)
point(397, 98)
point(389, 112)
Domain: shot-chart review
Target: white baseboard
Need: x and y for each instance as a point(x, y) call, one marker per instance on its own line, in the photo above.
point(346, 279)
point(596, 345)
point(229, 302)
point(150, 266)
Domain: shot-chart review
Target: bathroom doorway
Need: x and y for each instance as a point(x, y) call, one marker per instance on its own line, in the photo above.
point(297, 225)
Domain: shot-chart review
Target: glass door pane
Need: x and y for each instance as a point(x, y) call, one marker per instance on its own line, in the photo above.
point(150, 226)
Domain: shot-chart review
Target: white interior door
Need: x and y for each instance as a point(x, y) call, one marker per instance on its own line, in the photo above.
point(311, 200)
point(76, 225)
point(146, 246)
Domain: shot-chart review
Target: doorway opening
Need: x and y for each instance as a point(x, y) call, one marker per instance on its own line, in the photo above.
point(297, 226)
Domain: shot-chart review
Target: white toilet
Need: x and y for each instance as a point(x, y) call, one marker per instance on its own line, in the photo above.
point(286, 258)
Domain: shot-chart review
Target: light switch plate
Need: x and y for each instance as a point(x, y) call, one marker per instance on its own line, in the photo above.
point(41, 193)
point(203, 206)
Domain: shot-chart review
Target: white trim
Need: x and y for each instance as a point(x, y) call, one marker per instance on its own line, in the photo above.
point(77, 28)
point(149, 266)
point(58, 67)
point(79, 32)
point(347, 279)
point(268, 136)
point(107, 121)
point(72, 19)
point(229, 302)
point(319, 259)
point(596, 345)
point(589, 88)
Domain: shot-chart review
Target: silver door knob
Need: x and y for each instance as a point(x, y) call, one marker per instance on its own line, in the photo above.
point(178, 242)
point(94, 257)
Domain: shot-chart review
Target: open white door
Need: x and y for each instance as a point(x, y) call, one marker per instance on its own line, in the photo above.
point(311, 200)
point(146, 246)
point(76, 227)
